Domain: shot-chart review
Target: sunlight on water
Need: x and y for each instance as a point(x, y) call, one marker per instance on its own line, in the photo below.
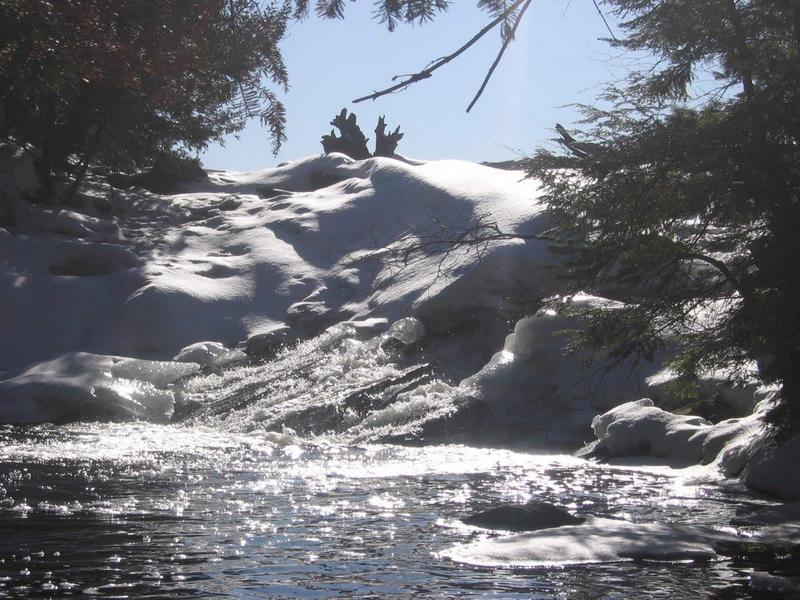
point(163, 511)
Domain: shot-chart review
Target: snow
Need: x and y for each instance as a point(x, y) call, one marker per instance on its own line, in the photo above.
point(774, 470)
point(598, 540)
point(640, 428)
point(209, 354)
point(217, 262)
point(107, 304)
point(535, 377)
point(83, 384)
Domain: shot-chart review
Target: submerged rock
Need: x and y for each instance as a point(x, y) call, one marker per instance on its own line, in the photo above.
point(528, 517)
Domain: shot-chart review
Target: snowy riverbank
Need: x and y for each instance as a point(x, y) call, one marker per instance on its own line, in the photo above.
point(110, 304)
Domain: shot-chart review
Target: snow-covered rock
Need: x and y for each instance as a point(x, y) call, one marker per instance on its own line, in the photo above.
point(219, 262)
point(209, 354)
point(641, 429)
point(774, 469)
point(89, 385)
point(536, 378)
point(599, 540)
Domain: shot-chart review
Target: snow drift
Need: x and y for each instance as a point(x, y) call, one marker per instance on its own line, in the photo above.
point(142, 275)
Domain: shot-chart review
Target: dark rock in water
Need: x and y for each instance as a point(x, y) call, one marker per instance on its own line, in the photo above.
point(528, 517)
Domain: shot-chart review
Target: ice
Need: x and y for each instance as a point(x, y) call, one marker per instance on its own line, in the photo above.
point(407, 331)
point(89, 385)
point(640, 428)
point(598, 540)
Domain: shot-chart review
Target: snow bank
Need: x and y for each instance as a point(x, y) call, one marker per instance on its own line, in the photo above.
point(535, 378)
point(641, 429)
point(773, 469)
point(89, 385)
point(149, 275)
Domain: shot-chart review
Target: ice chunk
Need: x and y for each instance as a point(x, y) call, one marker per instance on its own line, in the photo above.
point(268, 341)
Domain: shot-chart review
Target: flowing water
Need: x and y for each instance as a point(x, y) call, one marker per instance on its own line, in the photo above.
point(230, 504)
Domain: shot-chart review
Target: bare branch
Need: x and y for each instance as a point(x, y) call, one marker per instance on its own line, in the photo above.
point(605, 21)
point(499, 56)
point(428, 71)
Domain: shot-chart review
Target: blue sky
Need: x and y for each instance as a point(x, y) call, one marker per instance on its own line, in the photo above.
point(557, 59)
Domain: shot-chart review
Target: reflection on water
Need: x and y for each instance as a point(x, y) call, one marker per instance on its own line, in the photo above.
point(139, 510)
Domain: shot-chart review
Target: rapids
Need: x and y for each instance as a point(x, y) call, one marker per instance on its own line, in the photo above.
point(283, 478)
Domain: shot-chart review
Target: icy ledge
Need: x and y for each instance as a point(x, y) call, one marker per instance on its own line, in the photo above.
point(80, 385)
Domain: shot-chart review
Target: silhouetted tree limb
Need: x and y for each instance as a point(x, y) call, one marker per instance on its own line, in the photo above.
point(428, 71)
point(506, 41)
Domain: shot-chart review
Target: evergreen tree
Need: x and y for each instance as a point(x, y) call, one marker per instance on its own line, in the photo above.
point(687, 206)
point(119, 83)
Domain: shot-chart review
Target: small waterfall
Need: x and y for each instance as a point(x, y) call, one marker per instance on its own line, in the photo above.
point(333, 385)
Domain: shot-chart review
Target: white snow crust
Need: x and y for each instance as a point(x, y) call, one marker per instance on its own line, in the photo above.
point(220, 263)
point(601, 540)
point(641, 429)
point(82, 384)
point(597, 540)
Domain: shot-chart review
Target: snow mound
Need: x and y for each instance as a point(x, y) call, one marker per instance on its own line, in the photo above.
point(599, 540)
point(89, 385)
point(309, 244)
point(640, 428)
point(535, 378)
point(774, 470)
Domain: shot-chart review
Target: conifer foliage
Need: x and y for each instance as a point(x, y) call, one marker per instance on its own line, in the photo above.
point(117, 83)
point(687, 206)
